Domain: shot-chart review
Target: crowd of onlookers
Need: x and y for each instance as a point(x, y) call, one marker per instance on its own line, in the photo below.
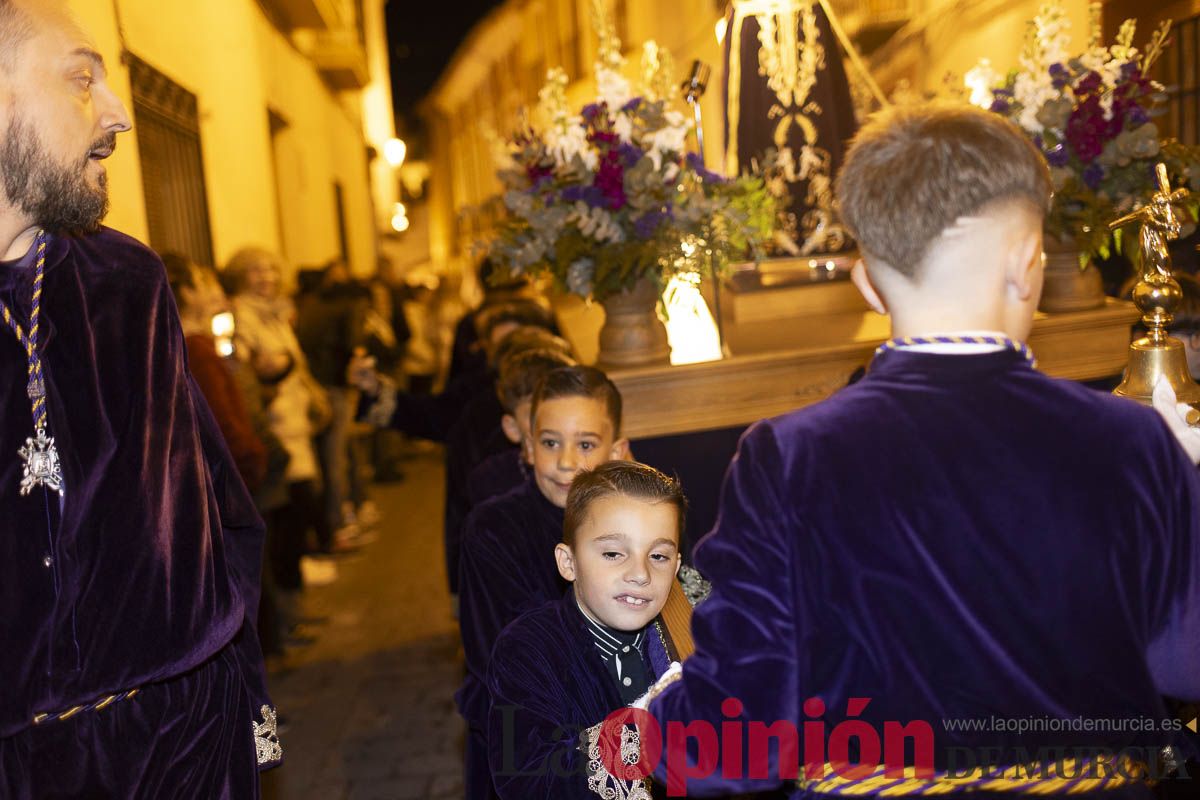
point(273, 367)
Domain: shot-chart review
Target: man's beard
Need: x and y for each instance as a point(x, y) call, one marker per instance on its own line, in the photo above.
point(56, 197)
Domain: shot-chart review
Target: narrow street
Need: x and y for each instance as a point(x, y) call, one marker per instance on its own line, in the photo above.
point(369, 707)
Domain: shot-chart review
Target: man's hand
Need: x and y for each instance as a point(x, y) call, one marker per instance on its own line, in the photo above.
point(361, 373)
point(1177, 416)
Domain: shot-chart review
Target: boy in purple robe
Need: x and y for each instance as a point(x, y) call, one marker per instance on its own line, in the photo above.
point(505, 468)
point(559, 670)
point(130, 550)
point(507, 562)
point(957, 537)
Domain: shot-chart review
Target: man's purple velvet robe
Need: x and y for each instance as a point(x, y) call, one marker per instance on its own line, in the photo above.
point(955, 536)
point(506, 568)
point(152, 566)
point(548, 683)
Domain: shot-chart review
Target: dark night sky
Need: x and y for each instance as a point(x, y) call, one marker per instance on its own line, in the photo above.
point(423, 35)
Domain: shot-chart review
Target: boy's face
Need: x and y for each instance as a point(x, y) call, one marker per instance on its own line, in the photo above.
point(625, 556)
point(570, 435)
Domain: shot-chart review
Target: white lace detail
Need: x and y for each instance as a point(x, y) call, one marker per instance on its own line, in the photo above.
point(605, 785)
point(695, 588)
point(266, 737)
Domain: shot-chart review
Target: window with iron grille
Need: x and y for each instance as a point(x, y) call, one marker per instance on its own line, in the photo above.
point(1178, 71)
point(167, 122)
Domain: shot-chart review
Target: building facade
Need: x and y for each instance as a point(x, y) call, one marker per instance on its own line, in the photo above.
point(256, 122)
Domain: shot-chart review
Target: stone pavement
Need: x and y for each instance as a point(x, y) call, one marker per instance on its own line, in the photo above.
point(369, 706)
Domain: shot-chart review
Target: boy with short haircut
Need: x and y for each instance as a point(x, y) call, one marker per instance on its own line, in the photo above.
point(507, 564)
point(562, 668)
point(505, 468)
point(957, 532)
point(478, 434)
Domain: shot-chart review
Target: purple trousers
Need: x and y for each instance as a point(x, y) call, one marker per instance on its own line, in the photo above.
point(188, 737)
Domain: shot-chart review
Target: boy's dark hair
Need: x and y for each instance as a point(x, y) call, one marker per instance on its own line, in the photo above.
point(912, 171)
point(527, 338)
point(579, 381)
point(521, 313)
point(625, 478)
point(497, 281)
point(179, 274)
point(520, 373)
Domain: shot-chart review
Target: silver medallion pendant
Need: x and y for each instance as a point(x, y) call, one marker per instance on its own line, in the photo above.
point(41, 464)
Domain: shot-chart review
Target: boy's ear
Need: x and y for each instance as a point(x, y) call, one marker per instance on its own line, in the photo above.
point(620, 450)
point(1025, 265)
point(862, 281)
point(511, 431)
point(566, 561)
point(678, 562)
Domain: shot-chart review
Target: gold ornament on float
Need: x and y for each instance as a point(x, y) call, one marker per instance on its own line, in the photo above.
point(1157, 295)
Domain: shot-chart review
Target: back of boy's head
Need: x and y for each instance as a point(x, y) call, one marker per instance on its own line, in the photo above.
point(523, 313)
point(527, 337)
point(520, 373)
point(181, 274)
point(579, 381)
point(498, 282)
point(912, 171)
point(626, 479)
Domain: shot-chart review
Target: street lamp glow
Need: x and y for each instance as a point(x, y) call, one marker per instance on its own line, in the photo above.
point(400, 223)
point(394, 150)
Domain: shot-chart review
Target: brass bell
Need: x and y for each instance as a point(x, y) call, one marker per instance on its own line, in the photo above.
point(1157, 295)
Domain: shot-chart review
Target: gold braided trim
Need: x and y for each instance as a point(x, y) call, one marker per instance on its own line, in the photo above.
point(95, 705)
point(1069, 776)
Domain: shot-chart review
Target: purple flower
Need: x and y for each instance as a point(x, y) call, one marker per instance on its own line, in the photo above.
point(1058, 156)
point(708, 176)
point(646, 225)
point(1087, 130)
point(588, 194)
point(999, 106)
point(1090, 83)
point(1136, 116)
point(632, 104)
point(593, 110)
point(1093, 176)
point(610, 180)
point(1059, 76)
point(538, 174)
point(630, 154)
point(1130, 72)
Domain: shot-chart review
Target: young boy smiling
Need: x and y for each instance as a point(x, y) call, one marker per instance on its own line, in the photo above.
point(562, 668)
point(504, 470)
point(507, 564)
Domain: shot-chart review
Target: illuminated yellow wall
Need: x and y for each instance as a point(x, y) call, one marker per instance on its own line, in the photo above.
point(239, 65)
point(950, 36)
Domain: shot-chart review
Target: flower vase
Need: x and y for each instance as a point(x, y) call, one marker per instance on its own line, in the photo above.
point(1066, 287)
point(633, 335)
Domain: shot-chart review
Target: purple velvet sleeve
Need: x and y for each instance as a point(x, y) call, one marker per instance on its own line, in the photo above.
point(746, 631)
point(1173, 654)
